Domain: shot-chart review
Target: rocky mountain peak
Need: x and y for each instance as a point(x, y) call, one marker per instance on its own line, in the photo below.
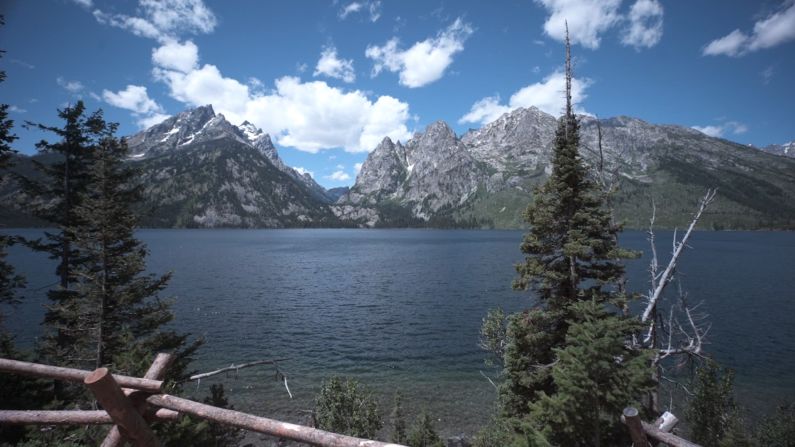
point(438, 132)
point(251, 131)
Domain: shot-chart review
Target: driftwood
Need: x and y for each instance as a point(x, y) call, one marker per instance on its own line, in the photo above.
point(234, 367)
point(74, 375)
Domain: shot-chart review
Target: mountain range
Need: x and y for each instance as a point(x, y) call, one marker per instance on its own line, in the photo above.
point(199, 170)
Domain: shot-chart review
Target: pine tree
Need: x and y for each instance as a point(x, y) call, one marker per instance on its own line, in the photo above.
point(422, 433)
point(9, 280)
point(55, 199)
point(118, 303)
point(573, 265)
point(596, 375)
point(398, 420)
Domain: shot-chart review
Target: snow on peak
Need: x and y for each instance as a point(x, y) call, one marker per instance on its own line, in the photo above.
point(250, 131)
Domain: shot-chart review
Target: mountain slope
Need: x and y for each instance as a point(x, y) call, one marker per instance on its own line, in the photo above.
point(486, 178)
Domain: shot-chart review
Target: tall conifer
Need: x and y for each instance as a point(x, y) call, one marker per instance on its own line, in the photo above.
point(572, 264)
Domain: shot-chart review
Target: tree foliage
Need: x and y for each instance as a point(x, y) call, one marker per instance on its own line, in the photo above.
point(713, 413)
point(348, 407)
point(567, 371)
point(398, 420)
point(422, 432)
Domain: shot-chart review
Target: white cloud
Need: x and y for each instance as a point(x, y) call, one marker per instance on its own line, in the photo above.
point(546, 95)
point(73, 87)
point(733, 127)
point(332, 66)
point(350, 9)
point(149, 121)
point(731, 44)
point(309, 116)
point(712, 131)
point(645, 24)
point(173, 55)
point(22, 63)
point(373, 8)
point(586, 18)
point(485, 111)
point(426, 61)
point(767, 74)
point(14, 109)
point(775, 29)
point(134, 98)
point(357, 167)
point(163, 20)
point(339, 176)
point(84, 3)
point(375, 11)
point(303, 171)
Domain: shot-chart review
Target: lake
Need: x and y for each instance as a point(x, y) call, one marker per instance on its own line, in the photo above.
point(401, 309)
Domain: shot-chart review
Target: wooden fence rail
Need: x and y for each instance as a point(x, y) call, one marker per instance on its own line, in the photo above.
point(640, 431)
point(140, 400)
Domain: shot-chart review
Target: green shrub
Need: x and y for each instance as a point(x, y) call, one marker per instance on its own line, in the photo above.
point(347, 407)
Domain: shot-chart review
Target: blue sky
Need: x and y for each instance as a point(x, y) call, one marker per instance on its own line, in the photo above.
point(329, 79)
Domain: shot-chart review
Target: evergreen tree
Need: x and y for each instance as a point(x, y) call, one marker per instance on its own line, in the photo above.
point(345, 406)
point(118, 305)
point(398, 420)
point(572, 344)
point(422, 433)
point(9, 280)
point(713, 413)
point(16, 392)
point(592, 386)
point(55, 200)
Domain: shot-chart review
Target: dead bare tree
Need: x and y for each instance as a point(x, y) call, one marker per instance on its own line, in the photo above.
point(672, 328)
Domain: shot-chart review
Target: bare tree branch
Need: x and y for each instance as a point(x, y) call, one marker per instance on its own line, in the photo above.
point(678, 247)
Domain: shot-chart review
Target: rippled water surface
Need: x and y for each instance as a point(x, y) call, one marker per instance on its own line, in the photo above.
point(400, 309)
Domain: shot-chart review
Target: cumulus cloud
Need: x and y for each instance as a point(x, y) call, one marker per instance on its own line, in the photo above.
point(163, 20)
point(424, 62)
point(775, 29)
point(339, 176)
point(586, 18)
point(720, 130)
point(373, 8)
point(14, 109)
point(173, 55)
point(309, 116)
point(546, 95)
point(72, 87)
point(332, 66)
point(146, 122)
point(645, 24)
point(304, 171)
point(136, 99)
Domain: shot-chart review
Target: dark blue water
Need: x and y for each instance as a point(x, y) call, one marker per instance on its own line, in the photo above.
point(401, 309)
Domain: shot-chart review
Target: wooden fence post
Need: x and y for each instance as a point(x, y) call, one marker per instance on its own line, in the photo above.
point(120, 409)
point(635, 426)
point(156, 371)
